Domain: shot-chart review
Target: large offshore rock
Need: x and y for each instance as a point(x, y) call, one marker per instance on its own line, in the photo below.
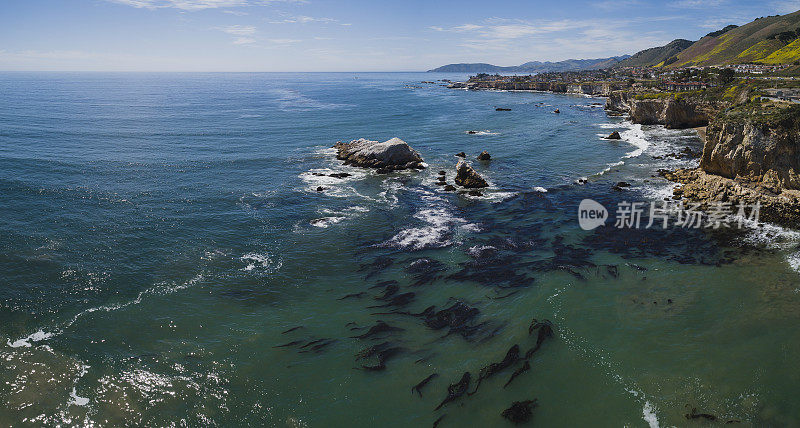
point(394, 154)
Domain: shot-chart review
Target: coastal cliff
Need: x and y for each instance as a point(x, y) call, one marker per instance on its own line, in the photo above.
point(747, 159)
point(767, 152)
point(674, 112)
point(751, 151)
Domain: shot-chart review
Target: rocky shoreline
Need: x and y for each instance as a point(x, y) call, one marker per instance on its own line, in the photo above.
point(747, 158)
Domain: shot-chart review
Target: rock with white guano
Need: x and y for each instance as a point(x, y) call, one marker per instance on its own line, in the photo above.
point(393, 155)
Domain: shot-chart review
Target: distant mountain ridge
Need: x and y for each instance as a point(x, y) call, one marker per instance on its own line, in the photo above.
point(771, 40)
point(533, 66)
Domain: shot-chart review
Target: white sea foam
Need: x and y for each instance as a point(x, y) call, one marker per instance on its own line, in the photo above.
point(159, 290)
point(26, 342)
point(774, 237)
point(439, 227)
point(637, 137)
point(794, 261)
point(609, 167)
point(485, 132)
point(75, 399)
point(435, 234)
point(330, 217)
point(262, 262)
point(325, 222)
point(649, 415)
point(478, 251)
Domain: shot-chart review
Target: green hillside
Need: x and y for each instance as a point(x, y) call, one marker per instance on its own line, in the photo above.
point(655, 56)
point(769, 40)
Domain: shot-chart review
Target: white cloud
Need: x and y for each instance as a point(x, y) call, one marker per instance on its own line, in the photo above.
point(239, 30)
point(197, 4)
point(302, 19)
point(789, 6)
point(616, 4)
point(243, 33)
point(504, 29)
point(696, 4)
point(458, 29)
point(284, 41)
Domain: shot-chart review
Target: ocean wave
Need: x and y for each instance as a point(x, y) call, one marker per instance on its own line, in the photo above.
point(649, 415)
point(260, 262)
point(440, 227)
point(325, 222)
point(26, 341)
point(637, 137)
point(484, 132)
point(159, 290)
point(774, 237)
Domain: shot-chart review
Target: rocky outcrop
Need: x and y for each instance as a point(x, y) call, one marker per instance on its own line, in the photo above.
point(614, 136)
point(392, 155)
point(765, 153)
point(674, 112)
point(484, 156)
point(467, 177)
point(700, 187)
point(618, 102)
point(670, 112)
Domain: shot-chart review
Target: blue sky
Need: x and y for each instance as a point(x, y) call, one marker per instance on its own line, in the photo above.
point(355, 35)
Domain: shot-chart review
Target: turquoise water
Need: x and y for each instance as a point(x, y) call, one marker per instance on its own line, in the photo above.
point(160, 233)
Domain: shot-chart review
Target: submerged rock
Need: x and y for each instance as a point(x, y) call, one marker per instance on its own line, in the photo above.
point(502, 109)
point(484, 156)
point(467, 177)
point(614, 136)
point(520, 411)
point(461, 155)
point(391, 155)
point(621, 185)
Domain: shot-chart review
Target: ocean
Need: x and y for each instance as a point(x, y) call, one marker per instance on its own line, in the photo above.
point(166, 259)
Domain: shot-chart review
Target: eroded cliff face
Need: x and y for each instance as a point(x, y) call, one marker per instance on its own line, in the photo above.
point(749, 158)
point(672, 113)
point(618, 102)
point(768, 154)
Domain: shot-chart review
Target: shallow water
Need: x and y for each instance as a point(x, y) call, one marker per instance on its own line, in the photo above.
point(161, 232)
